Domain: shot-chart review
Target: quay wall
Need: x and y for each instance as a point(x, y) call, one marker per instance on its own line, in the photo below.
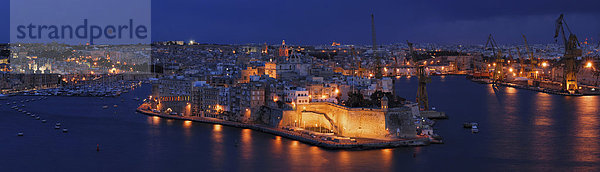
point(360, 145)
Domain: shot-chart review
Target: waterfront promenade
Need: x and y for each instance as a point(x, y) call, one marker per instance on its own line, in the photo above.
point(360, 144)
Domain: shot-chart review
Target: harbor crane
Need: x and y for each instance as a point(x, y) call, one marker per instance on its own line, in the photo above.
point(423, 78)
point(572, 51)
point(498, 74)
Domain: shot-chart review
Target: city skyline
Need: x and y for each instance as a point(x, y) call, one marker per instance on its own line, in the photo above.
point(318, 23)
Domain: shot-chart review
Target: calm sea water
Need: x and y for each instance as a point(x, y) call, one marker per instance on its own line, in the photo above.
point(519, 130)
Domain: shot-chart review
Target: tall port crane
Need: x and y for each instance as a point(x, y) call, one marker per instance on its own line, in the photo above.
point(422, 98)
point(378, 73)
point(572, 51)
point(498, 74)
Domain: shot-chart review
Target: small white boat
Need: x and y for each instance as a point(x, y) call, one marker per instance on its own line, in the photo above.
point(58, 124)
point(115, 106)
point(57, 127)
point(470, 124)
point(43, 121)
point(37, 118)
point(20, 134)
point(65, 130)
point(104, 107)
point(474, 129)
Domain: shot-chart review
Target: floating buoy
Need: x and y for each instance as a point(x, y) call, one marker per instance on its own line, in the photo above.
point(20, 134)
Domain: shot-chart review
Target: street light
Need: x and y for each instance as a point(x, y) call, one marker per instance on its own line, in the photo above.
point(588, 65)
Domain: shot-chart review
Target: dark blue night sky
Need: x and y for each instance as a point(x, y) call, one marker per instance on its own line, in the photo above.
point(348, 21)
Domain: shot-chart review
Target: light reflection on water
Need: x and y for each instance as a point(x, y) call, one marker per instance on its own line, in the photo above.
point(246, 144)
point(218, 147)
point(546, 137)
point(586, 144)
point(386, 157)
point(154, 120)
point(187, 124)
point(542, 142)
point(187, 129)
point(504, 118)
point(277, 145)
point(295, 156)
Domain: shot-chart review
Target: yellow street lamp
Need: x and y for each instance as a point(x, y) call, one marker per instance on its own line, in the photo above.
point(588, 64)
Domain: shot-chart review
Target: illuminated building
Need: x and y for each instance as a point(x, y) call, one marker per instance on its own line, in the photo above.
point(4, 59)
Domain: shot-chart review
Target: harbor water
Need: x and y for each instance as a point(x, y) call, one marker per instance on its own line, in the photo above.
point(519, 130)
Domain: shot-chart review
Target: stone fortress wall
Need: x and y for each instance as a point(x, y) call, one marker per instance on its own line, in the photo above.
point(354, 122)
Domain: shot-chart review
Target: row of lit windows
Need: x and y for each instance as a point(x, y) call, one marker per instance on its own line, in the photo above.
point(302, 101)
point(175, 98)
